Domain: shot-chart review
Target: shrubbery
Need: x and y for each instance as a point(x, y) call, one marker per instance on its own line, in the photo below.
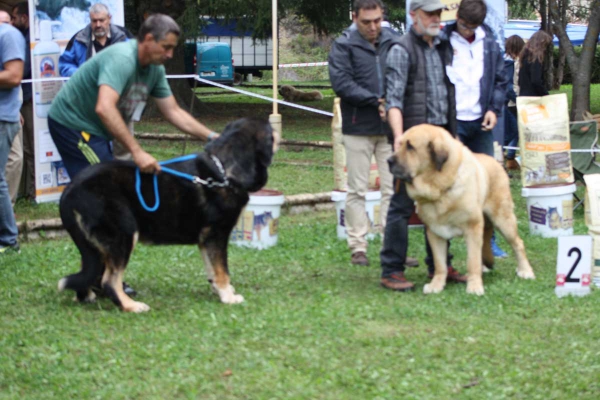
point(567, 79)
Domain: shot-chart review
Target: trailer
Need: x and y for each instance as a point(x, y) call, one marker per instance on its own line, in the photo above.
point(249, 56)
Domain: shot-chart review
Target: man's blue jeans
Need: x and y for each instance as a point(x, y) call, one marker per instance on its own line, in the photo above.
point(8, 226)
point(476, 139)
point(511, 130)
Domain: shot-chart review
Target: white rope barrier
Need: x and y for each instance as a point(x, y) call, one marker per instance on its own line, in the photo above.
point(595, 150)
point(300, 65)
point(259, 96)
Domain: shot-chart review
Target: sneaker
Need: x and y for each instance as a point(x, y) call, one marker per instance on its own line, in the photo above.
point(411, 262)
point(453, 276)
point(497, 251)
point(12, 249)
point(360, 258)
point(397, 282)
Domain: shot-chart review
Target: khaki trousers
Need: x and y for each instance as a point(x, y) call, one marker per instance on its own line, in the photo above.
point(359, 151)
point(14, 166)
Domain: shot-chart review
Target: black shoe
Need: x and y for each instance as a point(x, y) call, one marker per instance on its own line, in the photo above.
point(129, 291)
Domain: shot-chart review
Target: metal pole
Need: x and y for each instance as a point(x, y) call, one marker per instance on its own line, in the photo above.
point(275, 118)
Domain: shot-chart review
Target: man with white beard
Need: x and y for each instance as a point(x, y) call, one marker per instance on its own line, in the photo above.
point(95, 37)
point(418, 91)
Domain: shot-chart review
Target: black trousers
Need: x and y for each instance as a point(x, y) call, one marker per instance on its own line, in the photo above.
point(395, 244)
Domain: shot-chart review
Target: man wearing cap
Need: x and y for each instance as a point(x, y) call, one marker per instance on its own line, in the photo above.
point(417, 91)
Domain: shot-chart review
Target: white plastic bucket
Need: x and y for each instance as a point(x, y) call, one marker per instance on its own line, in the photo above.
point(550, 210)
point(258, 223)
point(372, 206)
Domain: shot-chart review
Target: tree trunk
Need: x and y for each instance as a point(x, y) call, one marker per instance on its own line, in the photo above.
point(581, 67)
point(562, 57)
point(560, 68)
point(544, 14)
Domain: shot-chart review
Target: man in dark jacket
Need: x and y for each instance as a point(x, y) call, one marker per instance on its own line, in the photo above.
point(477, 72)
point(99, 34)
point(356, 71)
point(418, 91)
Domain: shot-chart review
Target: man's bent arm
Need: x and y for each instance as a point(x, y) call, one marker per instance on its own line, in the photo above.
point(182, 119)
point(106, 108)
point(12, 74)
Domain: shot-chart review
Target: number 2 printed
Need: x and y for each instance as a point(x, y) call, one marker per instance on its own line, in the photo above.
point(569, 279)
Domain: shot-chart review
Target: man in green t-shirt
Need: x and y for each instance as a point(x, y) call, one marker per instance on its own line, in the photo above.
point(110, 90)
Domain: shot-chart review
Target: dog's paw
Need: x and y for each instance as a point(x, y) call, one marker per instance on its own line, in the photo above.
point(235, 299)
point(475, 288)
point(486, 270)
point(432, 288)
point(136, 307)
point(525, 274)
point(62, 284)
point(228, 295)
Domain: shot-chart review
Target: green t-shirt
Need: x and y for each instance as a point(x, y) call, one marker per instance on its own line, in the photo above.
point(118, 67)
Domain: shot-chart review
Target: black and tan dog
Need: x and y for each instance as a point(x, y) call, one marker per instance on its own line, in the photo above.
point(458, 193)
point(103, 214)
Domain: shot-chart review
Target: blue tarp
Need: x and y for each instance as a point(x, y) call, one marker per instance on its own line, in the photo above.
point(525, 29)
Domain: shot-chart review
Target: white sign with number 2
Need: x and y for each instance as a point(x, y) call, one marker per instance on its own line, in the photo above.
point(573, 265)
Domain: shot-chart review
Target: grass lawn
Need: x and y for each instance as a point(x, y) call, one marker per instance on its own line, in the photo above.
point(594, 96)
point(313, 327)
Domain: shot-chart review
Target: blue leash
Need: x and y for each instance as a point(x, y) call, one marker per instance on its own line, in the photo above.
point(194, 179)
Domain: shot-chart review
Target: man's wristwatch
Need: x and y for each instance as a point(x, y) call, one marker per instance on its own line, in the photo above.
point(211, 136)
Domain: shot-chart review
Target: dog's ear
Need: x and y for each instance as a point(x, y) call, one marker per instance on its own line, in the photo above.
point(245, 149)
point(439, 155)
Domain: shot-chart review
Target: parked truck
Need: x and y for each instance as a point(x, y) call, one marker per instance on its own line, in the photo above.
point(248, 56)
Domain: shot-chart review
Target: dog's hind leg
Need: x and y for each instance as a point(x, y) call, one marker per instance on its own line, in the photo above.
point(112, 283)
point(112, 280)
point(506, 222)
point(92, 267)
point(214, 253)
point(488, 255)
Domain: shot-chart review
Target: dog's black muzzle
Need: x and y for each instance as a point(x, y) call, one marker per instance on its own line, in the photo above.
point(398, 171)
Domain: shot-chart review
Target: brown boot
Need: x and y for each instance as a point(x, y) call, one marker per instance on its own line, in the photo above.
point(512, 164)
point(360, 258)
point(453, 276)
point(397, 282)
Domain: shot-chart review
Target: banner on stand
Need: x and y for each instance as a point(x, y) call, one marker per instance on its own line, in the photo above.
point(51, 26)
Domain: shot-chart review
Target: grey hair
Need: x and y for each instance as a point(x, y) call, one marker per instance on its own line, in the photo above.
point(159, 26)
point(99, 8)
